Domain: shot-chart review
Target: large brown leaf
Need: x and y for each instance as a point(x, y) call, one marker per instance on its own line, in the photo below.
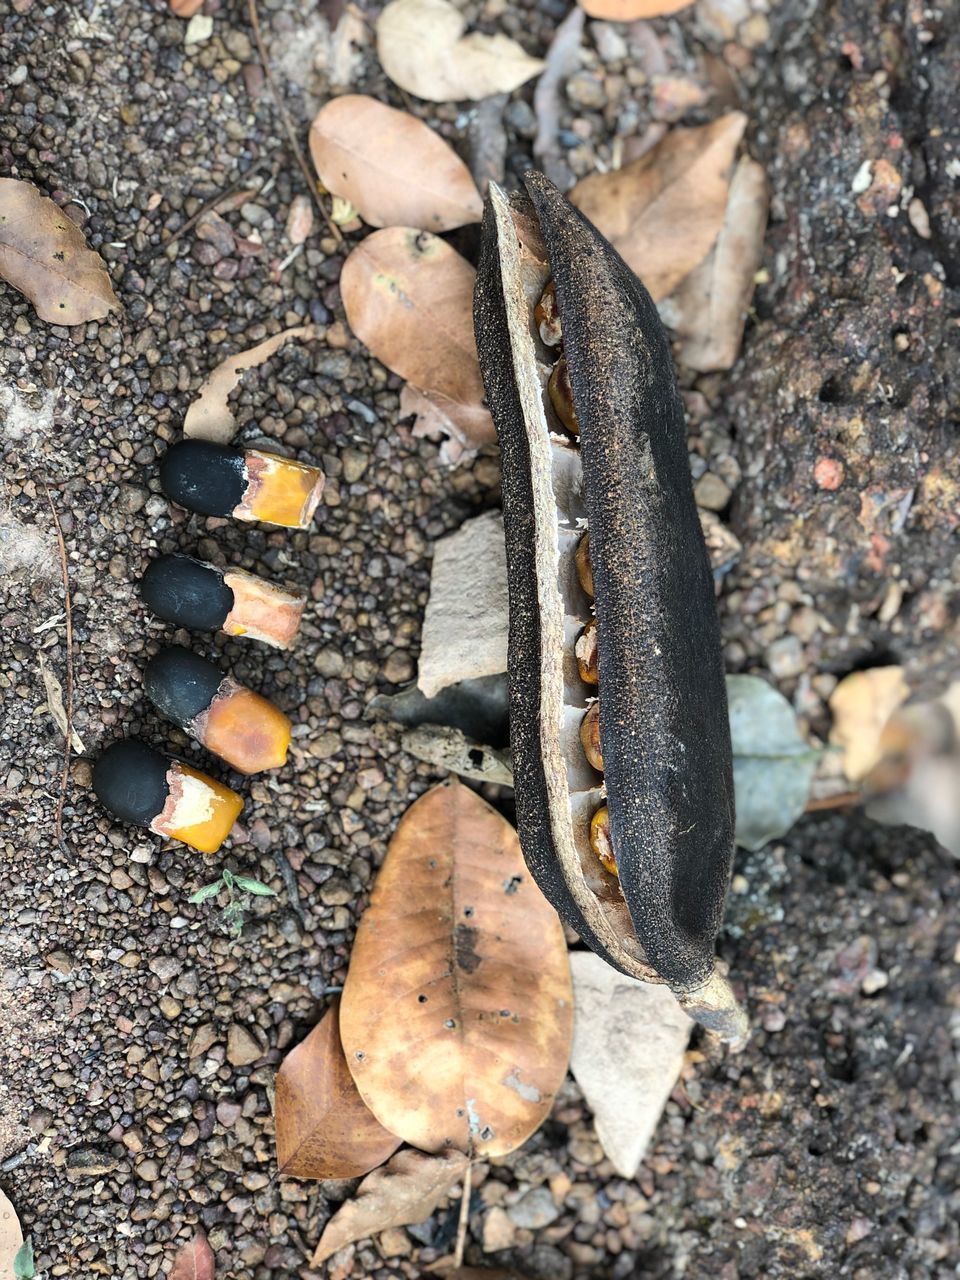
point(324, 1128)
point(664, 211)
point(44, 255)
point(422, 48)
point(457, 1012)
point(709, 309)
point(406, 1190)
point(195, 1261)
point(409, 297)
point(392, 167)
point(11, 1236)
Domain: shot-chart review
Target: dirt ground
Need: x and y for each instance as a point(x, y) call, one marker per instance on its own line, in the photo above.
point(137, 1041)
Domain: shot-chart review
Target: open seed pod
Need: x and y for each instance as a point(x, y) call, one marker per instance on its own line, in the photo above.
point(621, 471)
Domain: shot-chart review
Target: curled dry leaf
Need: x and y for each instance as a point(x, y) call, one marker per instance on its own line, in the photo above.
point(457, 1011)
point(631, 10)
point(393, 169)
point(422, 49)
point(405, 1190)
point(324, 1128)
point(44, 255)
point(409, 297)
point(11, 1236)
point(709, 309)
point(195, 1260)
point(54, 691)
point(210, 417)
point(664, 211)
point(861, 704)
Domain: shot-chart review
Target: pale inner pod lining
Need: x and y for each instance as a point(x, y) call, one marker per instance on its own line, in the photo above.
point(574, 789)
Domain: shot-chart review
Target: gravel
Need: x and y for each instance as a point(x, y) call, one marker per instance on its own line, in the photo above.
point(138, 1042)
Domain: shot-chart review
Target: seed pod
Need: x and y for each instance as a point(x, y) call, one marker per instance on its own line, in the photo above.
point(142, 787)
point(664, 731)
point(233, 722)
point(247, 484)
point(190, 593)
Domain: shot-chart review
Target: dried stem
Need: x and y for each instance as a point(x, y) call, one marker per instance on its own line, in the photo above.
point(840, 800)
point(68, 690)
point(288, 124)
point(464, 1217)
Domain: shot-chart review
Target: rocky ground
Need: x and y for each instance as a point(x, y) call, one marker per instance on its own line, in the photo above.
point(137, 1041)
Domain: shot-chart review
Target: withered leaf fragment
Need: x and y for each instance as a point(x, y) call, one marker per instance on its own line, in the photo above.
point(44, 255)
point(664, 732)
point(324, 1128)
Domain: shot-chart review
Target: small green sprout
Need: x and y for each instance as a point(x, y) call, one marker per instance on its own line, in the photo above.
point(239, 889)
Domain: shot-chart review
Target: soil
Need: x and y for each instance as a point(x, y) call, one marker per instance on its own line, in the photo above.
point(138, 1041)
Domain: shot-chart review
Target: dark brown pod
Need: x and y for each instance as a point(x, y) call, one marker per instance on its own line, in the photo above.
point(664, 731)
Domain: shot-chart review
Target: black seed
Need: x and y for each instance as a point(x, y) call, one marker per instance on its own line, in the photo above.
point(130, 780)
point(181, 684)
point(204, 477)
point(186, 592)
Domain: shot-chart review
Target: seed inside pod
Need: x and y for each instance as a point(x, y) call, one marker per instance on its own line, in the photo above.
point(547, 317)
point(561, 396)
point(142, 787)
point(600, 840)
point(190, 593)
point(586, 652)
point(247, 484)
point(590, 736)
point(584, 571)
point(233, 722)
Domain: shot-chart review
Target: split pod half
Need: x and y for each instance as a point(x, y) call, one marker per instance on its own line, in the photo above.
point(190, 593)
point(140, 786)
point(233, 722)
point(245, 483)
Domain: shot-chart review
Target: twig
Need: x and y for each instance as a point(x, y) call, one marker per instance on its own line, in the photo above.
point(68, 691)
point(287, 123)
point(464, 1218)
point(840, 800)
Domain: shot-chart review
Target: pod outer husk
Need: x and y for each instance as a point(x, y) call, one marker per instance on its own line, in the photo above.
point(664, 726)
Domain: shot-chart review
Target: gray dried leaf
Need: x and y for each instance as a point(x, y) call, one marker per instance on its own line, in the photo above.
point(773, 766)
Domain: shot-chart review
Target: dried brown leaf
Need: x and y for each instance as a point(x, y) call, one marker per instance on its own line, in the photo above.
point(54, 691)
point(44, 255)
point(324, 1128)
point(422, 49)
point(195, 1260)
point(709, 309)
point(405, 1190)
point(391, 167)
point(457, 1011)
point(409, 297)
point(631, 10)
point(466, 426)
point(209, 417)
point(664, 211)
point(11, 1236)
point(861, 704)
